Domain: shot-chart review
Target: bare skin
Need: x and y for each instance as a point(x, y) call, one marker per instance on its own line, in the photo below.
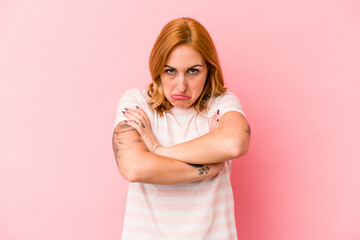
point(248, 130)
point(124, 138)
point(136, 164)
point(182, 80)
point(227, 139)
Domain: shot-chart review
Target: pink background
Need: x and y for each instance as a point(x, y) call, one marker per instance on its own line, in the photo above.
point(293, 64)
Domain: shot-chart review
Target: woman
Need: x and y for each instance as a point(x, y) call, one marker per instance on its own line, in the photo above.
point(174, 142)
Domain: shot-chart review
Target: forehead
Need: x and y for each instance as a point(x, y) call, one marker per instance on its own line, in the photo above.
point(184, 55)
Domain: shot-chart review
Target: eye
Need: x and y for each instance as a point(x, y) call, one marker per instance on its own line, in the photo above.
point(193, 71)
point(170, 71)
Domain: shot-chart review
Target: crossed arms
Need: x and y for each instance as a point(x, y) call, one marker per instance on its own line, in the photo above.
point(201, 158)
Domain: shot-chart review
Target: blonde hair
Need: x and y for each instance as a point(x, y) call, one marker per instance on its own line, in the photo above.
point(190, 32)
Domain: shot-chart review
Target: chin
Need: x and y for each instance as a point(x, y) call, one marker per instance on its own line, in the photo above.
point(181, 104)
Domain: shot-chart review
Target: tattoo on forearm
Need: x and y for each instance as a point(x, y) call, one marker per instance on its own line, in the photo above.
point(124, 137)
point(248, 130)
point(202, 168)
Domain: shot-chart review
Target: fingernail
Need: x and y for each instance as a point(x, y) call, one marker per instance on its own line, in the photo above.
point(137, 107)
point(125, 121)
point(218, 111)
point(217, 120)
point(126, 109)
point(123, 112)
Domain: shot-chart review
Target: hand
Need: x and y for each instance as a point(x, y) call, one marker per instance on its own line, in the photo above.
point(140, 121)
point(215, 120)
point(162, 151)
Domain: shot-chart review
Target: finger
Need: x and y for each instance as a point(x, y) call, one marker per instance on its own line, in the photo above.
point(134, 125)
point(217, 118)
point(217, 121)
point(131, 114)
point(213, 122)
point(139, 117)
point(143, 114)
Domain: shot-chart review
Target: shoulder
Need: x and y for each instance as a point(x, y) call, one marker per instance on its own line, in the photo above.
point(228, 101)
point(130, 99)
point(226, 97)
point(136, 93)
point(134, 97)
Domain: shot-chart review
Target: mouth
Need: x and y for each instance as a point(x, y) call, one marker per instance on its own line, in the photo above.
point(180, 97)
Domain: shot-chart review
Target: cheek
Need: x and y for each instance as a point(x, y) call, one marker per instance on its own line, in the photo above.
point(166, 85)
point(200, 83)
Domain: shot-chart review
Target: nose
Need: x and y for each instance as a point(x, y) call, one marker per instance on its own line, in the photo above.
point(181, 83)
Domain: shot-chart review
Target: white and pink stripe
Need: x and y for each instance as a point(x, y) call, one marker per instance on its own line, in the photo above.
point(191, 211)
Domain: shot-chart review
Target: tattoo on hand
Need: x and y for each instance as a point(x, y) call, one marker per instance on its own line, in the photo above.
point(202, 168)
point(248, 130)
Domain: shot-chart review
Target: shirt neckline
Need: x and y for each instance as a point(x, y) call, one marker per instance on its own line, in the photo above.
point(176, 110)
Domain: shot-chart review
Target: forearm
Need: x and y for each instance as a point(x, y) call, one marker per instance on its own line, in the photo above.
point(230, 140)
point(136, 164)
point(213, 147)
point(147, 167)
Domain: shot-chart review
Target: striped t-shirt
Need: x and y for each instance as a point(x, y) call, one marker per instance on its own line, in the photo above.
point(201, 210)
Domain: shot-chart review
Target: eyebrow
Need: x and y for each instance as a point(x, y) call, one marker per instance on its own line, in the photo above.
point(197, 65)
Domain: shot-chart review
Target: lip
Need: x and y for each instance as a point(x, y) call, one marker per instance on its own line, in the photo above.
point(179, 96)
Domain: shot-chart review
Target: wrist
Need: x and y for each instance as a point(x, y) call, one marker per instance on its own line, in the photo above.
point(155, 147)
point(160, 150)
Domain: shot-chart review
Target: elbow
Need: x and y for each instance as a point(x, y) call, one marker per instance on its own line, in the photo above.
point(132, 178)
point(138, 174)
point(133, 174)
point(135, 169)
point(238, 148)
point(130, 175)
point(129, 170)
point(243, 150)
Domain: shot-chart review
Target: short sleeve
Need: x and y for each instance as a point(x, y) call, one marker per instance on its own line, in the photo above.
point(227, 102)
point(130, 99)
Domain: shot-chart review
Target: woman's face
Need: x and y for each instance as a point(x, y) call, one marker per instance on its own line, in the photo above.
point(183, 76)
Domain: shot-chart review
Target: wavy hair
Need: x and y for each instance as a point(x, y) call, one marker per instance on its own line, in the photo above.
point(190, 32)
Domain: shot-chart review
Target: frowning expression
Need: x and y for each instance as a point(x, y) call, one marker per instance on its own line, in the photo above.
point(183, 76)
